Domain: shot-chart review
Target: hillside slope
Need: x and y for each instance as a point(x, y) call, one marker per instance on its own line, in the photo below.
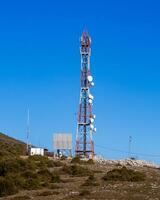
point(65, 180)
point(39, 178)
point(10, 146)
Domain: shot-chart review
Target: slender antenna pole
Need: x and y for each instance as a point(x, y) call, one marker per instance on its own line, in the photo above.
point(130, 142)
point(28, 130)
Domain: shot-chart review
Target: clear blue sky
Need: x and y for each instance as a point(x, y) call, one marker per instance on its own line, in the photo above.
point(40, 69)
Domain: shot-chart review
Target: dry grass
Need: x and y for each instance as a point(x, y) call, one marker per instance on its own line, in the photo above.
point(48, 193)
point(21, 198)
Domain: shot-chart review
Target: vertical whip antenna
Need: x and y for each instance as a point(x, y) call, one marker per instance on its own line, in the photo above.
point(129, 145)
point(28, 129)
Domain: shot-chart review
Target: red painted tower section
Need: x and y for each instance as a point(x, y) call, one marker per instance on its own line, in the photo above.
point(85, 121)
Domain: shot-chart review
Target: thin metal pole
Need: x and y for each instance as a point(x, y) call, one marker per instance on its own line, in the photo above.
point(129, 146)
point(28, 130)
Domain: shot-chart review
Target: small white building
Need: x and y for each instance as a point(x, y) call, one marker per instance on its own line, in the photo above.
point(36, 151)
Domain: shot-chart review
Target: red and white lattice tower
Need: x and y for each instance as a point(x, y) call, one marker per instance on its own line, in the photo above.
point(85, 126)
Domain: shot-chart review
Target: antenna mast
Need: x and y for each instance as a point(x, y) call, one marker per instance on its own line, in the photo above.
point(129, 145)
point(28, 130)
point(85, 127)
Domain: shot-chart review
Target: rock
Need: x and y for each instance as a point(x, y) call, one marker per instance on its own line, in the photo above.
point(126, 162)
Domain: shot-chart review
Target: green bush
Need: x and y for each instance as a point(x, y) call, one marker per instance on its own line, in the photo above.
point(44, 173)
point(38, 158)
point(15, 165)
point(41, 162)
point(31, 173)
point(84, 193)
point(32, 184)
point(76, 160)
point(55, 178)
point(7, 186)
point(91, 181)
point(58, 163)
point(90, 162)
point(76, 170)
point(124, 174)
point(51, 163)
point(53, 186)
point(17, 179)
point(3, 168)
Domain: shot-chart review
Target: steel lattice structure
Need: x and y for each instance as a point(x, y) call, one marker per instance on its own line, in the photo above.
point(85, 127)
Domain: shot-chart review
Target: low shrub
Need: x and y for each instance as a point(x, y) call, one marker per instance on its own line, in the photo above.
point(76, 160)
point(90, 162)
point(31, 173)
point(84, 193)
point(38, 158)
point(32, 184)
point(7, 186)
point(17, 179)
point(58, 163)
point(15, 165)
point(91, 181)
point(76, 170)
point(124, 174)
point(55, 178)
point(46, 175)
point(39, 161)
point(53, 186)
point(3, 168)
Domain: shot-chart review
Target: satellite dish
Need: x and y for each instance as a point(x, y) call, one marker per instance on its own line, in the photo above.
point(92, 83)
point(95, 129)
point(90, 78)
point(90, 101)
point(90, 96)
point(91, 126)
point(92, 120)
